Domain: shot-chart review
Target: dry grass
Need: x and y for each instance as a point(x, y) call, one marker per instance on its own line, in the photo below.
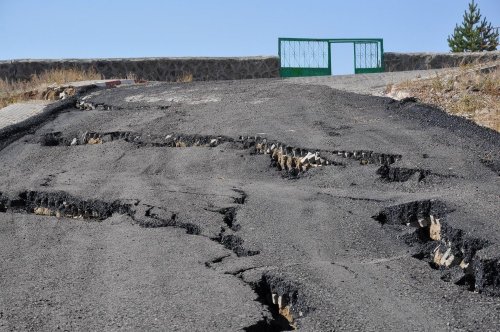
point(132, 76)
point(185, 78)
point(471, 91)
point(62, 76)
point(37, 86)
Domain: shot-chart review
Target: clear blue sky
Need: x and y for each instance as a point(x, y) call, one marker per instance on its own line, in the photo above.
point(144, 28)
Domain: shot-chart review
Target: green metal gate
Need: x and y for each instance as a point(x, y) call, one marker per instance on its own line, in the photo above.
point(312, 57)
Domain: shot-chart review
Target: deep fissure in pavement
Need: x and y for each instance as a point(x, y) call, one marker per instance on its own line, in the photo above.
point(230, 218)
point(234, 243)
point(285, 301)
point(170, 140)
point(278, 295)
point(292, 161)
point(153, 220)
point(3, 203)
point(402, 174)
point(444, 247)
point(62, 205)
point(226, 235)
point(366, 157)
point(427, 232)
point(89, 106)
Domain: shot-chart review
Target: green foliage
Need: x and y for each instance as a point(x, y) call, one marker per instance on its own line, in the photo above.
point(474, 35)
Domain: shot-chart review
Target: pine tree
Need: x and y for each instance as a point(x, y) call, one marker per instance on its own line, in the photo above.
point(474, 35)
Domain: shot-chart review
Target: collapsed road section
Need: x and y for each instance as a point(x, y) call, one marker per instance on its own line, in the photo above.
point(446, 248)
point(159, 205)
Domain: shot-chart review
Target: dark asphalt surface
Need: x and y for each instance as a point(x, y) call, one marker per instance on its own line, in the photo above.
point(310, 240)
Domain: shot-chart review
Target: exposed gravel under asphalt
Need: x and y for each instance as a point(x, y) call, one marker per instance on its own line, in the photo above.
point(233, 228)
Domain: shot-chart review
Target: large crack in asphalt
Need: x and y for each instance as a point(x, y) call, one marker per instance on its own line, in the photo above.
point(448, 249)
point(60, 204)
point(285, 301)
point(366, 157)
point(170, 140)
point(402, 174)
point(445, 248)
point(291, 161)
point(82, 104)
point(452, 251)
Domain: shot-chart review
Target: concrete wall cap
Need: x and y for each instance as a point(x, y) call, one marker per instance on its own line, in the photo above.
point(260, 57)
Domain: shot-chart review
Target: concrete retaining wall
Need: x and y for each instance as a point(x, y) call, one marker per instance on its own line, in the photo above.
point(152, 69)
point(419, 61)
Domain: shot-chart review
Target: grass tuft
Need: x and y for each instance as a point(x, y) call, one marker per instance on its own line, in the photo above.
point(36, 88)
point(185, 78)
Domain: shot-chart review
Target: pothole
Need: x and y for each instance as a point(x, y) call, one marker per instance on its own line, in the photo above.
point(445, 248)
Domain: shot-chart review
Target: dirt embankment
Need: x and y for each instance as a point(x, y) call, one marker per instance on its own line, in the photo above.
point(471, 91)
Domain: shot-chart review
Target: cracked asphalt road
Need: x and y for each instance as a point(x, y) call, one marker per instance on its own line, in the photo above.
point(174, 259)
